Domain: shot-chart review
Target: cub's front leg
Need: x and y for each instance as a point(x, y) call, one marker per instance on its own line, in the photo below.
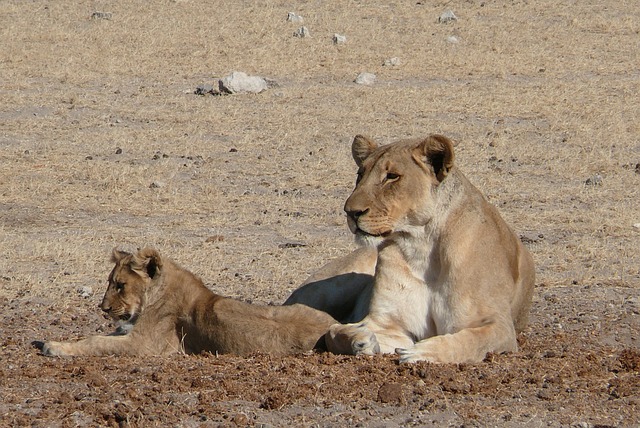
point(94, 345)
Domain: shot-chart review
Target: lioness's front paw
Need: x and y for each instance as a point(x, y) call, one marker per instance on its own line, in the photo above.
point(353, 339)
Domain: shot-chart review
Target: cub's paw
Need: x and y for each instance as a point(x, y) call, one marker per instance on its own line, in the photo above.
point(354, 339)
point(54, 349)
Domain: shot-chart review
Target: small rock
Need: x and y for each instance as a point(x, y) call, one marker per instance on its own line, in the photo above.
point(85, 291)
point(156, 185)
point(391, 62)
point(339, 39)
point(596, 180)
point(118, 151)
point(302, 32)
point(365, 79)
point(390, 393)
point(206, 89)
point(447, 16)
point(101, 15)
point(452, 39)
point(637, 226)
point(293, 17)
point(239, 82)
point(638, 168)
point(292, 244)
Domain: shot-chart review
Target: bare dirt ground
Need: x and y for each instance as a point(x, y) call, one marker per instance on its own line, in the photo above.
point(103, 143)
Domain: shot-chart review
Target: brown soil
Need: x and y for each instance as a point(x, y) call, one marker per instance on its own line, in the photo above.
point(104, 143)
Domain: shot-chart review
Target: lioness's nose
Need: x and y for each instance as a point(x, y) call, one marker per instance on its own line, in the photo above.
point(105, 307)
point(355, 214)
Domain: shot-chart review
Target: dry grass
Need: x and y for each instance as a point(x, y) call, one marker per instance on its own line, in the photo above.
point(540, 96)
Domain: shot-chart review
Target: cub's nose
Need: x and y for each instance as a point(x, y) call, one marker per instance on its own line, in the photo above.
point(104, 306)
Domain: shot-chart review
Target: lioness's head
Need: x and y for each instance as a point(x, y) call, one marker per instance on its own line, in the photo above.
point(396, 185)
point(124, 299)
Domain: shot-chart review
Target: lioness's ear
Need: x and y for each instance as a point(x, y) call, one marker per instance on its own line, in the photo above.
point(361, 148)
point(117, 255)
point(438, 151)
point(147, 261)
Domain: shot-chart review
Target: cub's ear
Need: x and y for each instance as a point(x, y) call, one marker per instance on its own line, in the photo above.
point(147, 261)
point(437, 151)
point(117, 255)
point(361, 148)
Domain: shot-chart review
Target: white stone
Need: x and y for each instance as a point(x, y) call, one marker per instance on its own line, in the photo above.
point(447, 16)
point(294, 17)
point(85, 291)
point(339, 39)
point(391, 62)
point(452, 39)
point(239, 82)
point(302, 32)
point(365, 79)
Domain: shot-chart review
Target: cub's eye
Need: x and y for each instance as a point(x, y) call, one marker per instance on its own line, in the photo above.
point(359, 177)
point(119, 286)
point(391, 176)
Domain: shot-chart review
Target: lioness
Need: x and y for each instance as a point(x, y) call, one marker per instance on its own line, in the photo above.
point(451, 282)
point(171, 310)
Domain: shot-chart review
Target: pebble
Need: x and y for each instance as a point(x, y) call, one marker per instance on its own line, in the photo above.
point(365, 79)
point(293, 17)
point(239, 82)
point(596, 180)
point(101, 15)
point(85, 291)
point(391, 62)
point(302, 32)
point(452, 39)
point(447, 16)
point(339, 39)
point(156, 185)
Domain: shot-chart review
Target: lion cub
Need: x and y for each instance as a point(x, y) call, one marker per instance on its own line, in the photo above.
point(171, 311)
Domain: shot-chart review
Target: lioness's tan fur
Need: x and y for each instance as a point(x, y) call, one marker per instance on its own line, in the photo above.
point(451, 282)
point(172, 311)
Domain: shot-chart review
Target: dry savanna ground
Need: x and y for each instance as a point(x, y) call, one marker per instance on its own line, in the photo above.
point(103, 143)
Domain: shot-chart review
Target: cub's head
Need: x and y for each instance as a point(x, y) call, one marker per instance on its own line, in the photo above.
point(396, 186)
point(129, 282)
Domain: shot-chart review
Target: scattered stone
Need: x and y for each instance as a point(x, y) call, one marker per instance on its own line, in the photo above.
point(118, 151)
point(452, 39)
point(293, 17)
point(637, 226)
point(302, 32)
point(391, 62)
point(447, 16)
point(390, 393)
point(531, 237)
point(339, 39)
point(596, 180)
point(638, 168)
point(159, 155)
point(101, 15)
point(156, 185)
point(365, 79)
point(206, 89)
point(85, 291)
point(89, 158)
point(292, 244)
point(239, 82)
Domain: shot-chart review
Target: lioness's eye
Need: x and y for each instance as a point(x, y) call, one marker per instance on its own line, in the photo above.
point(392, 176)
point(359, 177)
point(119, 286)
